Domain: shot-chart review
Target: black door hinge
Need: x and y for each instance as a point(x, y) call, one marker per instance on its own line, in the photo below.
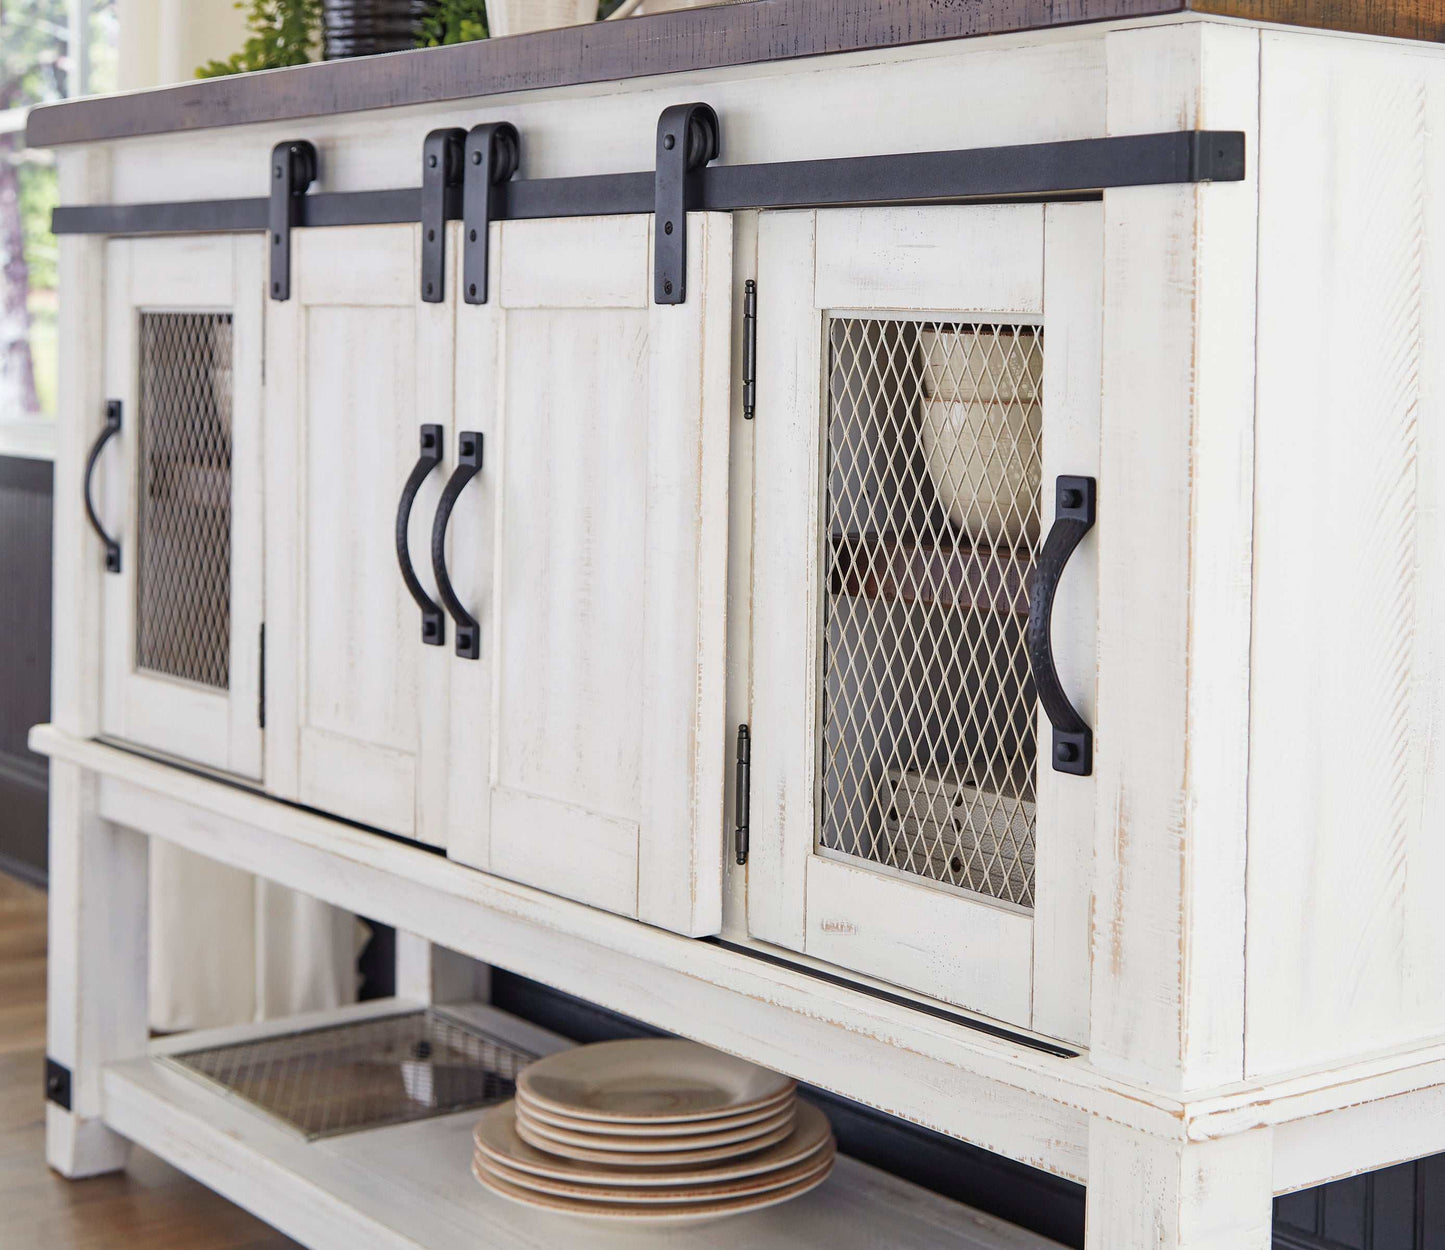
point(441, 179)
point(261, 694)
point(293, 170)
point(57, 1083)
point(750, 349)
point(492, 153)
point(688, 138)
point(743, 799)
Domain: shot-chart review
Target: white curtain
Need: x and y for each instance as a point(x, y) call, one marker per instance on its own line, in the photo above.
point(230, 948)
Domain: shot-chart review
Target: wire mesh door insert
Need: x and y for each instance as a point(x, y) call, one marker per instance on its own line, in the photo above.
point(350, 1077)
point(933, 469)
point(183, 567)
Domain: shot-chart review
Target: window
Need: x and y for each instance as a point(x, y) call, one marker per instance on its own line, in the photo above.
point(49, 50)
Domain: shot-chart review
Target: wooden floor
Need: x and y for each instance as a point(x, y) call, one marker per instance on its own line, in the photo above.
point(151, 1205)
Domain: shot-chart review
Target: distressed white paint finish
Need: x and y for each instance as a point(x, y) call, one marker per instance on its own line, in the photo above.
point(1025, 1104)
point(1147, 1193)
point(1063, 894)
point(356, 364)
point(95, 965)
point(740, 574)
point(867, 258)
point(1005, 1097)
point(1359, 1139)
point(1174, 584)
point(409, 1187)
point(602, 539)
point(784, 587)
point(1026, 89)
point(1346, 931)
point(204, 274)
point(988, 262)
point(921, 937)
point(1175, 1121)
point(79, 558)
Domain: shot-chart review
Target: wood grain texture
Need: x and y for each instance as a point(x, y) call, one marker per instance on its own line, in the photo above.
point(216, 727)
point(1150, 1194)
point(1402, 19)
point(409, 1186)
point(97, 959)
point(1173, 699)
point(356, 363)
point(1346, 941)
point(990, 261)
point(606, 780)
point(150, 1204)
point(667, 43)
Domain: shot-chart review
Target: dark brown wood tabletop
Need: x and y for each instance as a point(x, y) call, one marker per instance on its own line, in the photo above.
point(691, 39)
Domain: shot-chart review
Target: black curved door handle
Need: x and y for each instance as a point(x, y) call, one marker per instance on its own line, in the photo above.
point(112, 428)
point(433, 623)
point(469, 464)
point(1075, 506)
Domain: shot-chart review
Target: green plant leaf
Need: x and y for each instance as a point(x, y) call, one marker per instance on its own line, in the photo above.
point(282, 32)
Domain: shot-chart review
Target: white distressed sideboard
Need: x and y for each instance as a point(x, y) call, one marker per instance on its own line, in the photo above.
point(903, 543)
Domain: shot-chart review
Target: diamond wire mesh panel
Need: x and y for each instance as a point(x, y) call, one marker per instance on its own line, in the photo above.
point(933, 510)
point(351, 1077)
point(183, 567)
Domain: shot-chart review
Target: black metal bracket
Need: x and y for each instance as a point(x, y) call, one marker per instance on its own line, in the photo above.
point(1075, 502)
point(688, 137)
point(1073, 169)
point(750, 349)
point(433, 621)
point(293, 170)
point(441, 169)
point(469, 464)
point(493, 153)
point(742, 796)
point(57, 1083)
point(111, 429)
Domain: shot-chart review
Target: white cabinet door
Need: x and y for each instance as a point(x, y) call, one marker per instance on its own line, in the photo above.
point(589, 742)
point(180, 490)
point(925, 375)
point(356, 364)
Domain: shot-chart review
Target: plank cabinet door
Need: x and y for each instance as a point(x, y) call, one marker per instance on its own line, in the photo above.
point(925, 376)
point(180, 491)
point(588, 743)
point(356, 364)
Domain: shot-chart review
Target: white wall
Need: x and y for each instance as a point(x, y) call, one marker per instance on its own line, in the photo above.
point(163, 41)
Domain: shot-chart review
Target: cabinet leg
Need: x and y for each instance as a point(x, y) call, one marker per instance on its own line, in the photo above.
point(426, 973)
point(97, 962)
point(1148, 1193)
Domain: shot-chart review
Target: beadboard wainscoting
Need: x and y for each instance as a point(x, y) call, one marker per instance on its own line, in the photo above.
point(25, 495)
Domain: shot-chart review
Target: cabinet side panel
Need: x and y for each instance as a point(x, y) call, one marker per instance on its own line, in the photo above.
point(1346, 946)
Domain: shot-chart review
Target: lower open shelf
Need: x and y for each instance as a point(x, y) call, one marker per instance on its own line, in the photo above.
point(411, 1186)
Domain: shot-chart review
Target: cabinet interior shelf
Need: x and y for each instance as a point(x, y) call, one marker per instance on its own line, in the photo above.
point(874, 566)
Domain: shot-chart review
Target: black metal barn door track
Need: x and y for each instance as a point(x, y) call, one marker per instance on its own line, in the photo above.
point(469, 176)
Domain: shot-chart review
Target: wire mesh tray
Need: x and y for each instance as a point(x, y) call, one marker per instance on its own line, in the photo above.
point(351, 1077)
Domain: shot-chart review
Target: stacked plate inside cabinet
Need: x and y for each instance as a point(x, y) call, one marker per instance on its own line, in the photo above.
point(661, 1132)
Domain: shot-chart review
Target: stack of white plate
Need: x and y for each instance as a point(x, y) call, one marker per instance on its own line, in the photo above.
point(659, 1131)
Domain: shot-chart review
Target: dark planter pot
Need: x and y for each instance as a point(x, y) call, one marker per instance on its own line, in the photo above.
point(365, 27)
